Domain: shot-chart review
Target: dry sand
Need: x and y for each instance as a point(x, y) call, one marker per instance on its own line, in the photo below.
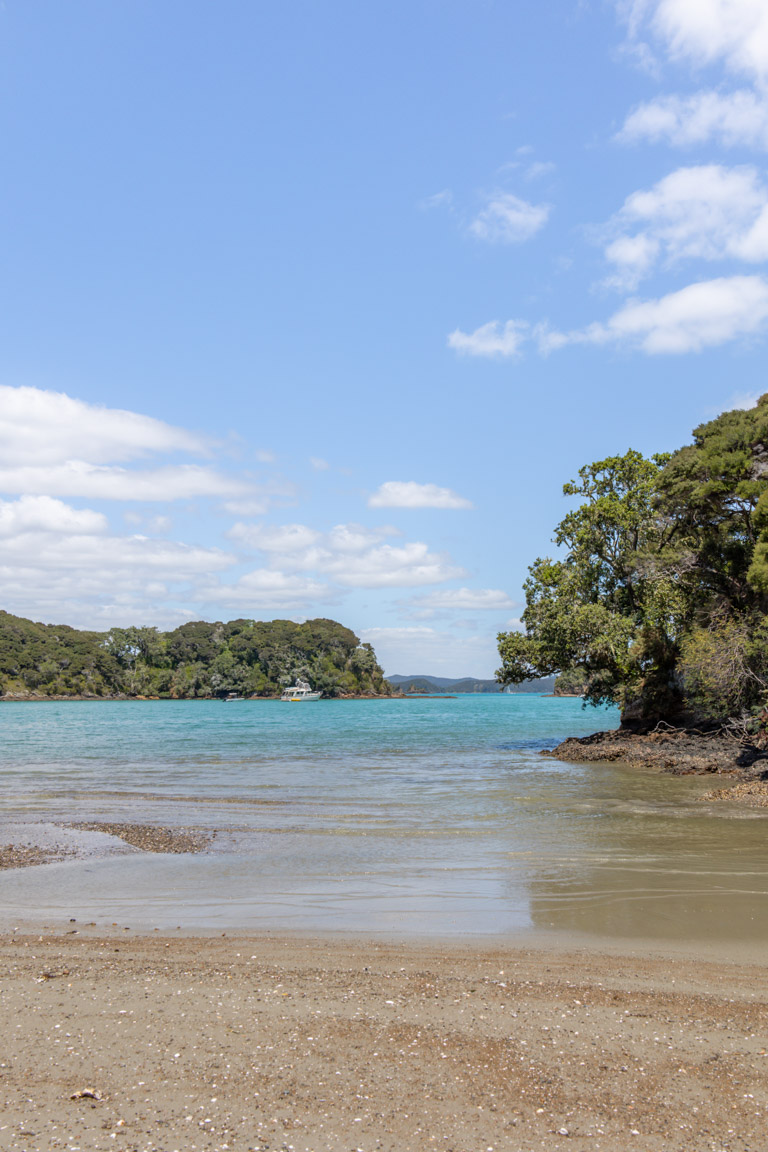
point(158, 1043)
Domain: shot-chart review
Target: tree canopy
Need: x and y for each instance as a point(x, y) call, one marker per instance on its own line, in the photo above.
point(198, 659)
point(659, 593)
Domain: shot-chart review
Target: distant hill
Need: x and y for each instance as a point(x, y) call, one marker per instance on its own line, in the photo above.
point(435, 684)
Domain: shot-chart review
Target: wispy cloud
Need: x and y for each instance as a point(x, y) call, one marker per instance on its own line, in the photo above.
point(409, 494)
point(731, 119)
point(448, 601)
point(538, 169)
point(743, 400)
point(702, 315)
point(442, 199)
point(699, 316)
point(492, 340)
point(507, 219)
point(101, 482)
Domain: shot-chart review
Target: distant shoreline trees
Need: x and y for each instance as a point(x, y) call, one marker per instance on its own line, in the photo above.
point(659, 598)
point(197, 660)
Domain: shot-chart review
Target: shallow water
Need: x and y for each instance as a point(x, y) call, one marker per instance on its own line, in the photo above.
point(425, 817)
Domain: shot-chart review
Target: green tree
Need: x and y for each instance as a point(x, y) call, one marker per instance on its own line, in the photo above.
point(661, 592)
point(198, 659)
point(714, 492)
point(606, 607)
point(724, 666)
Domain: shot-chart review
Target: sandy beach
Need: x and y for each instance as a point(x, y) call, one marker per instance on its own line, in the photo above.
point(165, 1042)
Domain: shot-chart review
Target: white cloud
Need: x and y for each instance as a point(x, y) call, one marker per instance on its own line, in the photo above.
point(392, 567)
point(353, 556)
point(706, 212)
point(54, 445)
point(39, 427)
point(707, 31)
point(506, 219)
point(43, 514)
point(492, 340)
point(102, 482)
point(266, 590)
point(699, 316)
point(285, 540)
point(57, 553)
point(260, 498)
point(731, 119)
point(428, 652)
point(319, 464)
point(63, 563)
point(633, 257)
point(702, 315)
point(446, 600)
point(409, 494)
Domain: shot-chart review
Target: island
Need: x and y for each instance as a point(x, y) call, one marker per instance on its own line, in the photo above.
point(198, 660)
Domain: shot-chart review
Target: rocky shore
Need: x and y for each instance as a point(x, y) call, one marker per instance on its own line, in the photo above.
point(681, 752)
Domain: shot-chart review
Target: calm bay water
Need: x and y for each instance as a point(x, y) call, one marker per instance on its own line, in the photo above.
point(426, 817)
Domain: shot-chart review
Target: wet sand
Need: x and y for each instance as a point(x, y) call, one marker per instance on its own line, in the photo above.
point(332, 1045)
point(46, 843)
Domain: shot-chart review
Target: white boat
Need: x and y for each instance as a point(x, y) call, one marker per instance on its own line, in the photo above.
point(299, 692)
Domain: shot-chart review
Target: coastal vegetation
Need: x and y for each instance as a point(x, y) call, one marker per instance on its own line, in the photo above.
point(198, 659)
point(571, 682)
point(658, 596)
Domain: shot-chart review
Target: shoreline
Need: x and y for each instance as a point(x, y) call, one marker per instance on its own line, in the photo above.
point(570, 945)
point(305, 1043)
point(678, 751)
point(217, 699)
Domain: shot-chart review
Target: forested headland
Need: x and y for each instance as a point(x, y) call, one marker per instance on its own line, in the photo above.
point(657, 598)
point(196, 660)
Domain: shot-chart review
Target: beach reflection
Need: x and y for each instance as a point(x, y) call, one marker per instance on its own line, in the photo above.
point(655, 862)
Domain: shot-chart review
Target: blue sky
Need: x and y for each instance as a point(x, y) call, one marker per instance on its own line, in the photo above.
point(311, 309)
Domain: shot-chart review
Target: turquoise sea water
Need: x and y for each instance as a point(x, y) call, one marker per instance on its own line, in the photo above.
point(428, 817)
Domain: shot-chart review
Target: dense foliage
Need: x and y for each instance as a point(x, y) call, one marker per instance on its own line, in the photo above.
point(199, 659)
point(660, 595)
point(571, 682)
